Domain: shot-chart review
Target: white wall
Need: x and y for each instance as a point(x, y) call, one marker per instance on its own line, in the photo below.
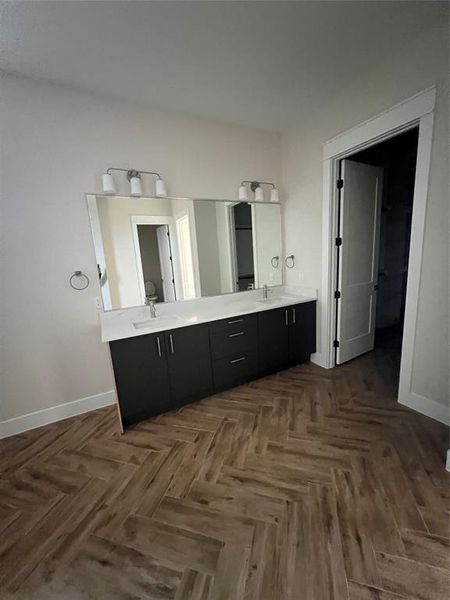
point(422, 64)
point(268, 243)
point(55, 144)
point(207, 247)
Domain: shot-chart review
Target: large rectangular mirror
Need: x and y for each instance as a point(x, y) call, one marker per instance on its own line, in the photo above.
point(173, 249)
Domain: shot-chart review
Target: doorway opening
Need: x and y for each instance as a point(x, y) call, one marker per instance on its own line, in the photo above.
point(397, 157)
point(241, 223)
point(157, 263)
point(374, 210)
point(417, 111)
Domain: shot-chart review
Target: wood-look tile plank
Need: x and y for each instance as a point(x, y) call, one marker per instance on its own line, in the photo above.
point(194, 586)
point(237, 501)
point(232, 529)
point(231, 572)
point(412, 579)
point(427, 548)
point(191, 465)
point(116, 450)
point(169, 544)
point(217, 452)
point(162, 479)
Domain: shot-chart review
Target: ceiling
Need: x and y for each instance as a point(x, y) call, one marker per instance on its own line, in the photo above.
point(247, 62)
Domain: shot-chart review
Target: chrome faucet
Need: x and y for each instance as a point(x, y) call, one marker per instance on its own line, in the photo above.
point(264, 289)
point(151, 304)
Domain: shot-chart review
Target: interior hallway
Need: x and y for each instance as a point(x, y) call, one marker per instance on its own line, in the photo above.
point(308, 484)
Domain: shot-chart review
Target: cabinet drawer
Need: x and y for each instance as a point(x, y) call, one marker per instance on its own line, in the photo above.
point(231, 371)
point(227, 342)
point(234, 324)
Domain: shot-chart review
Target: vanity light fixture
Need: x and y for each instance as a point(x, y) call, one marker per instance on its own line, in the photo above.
point(135, 179)
point(256, 188)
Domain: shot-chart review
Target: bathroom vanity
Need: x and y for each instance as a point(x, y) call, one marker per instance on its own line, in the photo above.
point(193, 349)
point(213, 271)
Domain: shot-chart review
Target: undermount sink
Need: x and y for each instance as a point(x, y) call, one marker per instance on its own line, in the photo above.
point(275, 300)
point(160, 322)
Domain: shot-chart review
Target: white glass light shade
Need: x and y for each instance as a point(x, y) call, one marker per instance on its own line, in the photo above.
point(136, 187)
point(243, 196)
point(160, 188)
point(109, 188)
point(274, 195)
point(259, 195)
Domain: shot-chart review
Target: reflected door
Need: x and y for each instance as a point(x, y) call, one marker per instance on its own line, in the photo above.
point(166, 263)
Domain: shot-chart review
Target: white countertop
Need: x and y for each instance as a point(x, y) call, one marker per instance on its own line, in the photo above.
point(120, 324)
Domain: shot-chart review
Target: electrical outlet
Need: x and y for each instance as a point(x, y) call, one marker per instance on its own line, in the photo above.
point(98, 303)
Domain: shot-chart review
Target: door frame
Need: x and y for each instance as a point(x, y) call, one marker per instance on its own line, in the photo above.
point(160, 220)
point(412, 112)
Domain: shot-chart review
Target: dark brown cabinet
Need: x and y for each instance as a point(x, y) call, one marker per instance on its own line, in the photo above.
point(189, 361)
point(302, 332)
point(142, 377)
point(156, 373)
point(287, 336)
point(273, 340)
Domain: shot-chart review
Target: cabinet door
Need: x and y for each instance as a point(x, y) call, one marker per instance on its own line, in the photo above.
point(189, 361)
point(142, 379)
point(302, 332)
point(273, 343)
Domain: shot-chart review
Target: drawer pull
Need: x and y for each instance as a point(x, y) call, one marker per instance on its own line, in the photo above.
point(236, 360)
point(236, 334)
point(235, 321)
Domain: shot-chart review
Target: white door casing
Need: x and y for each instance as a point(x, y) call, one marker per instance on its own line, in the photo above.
point(166, 262)
point(360, 212)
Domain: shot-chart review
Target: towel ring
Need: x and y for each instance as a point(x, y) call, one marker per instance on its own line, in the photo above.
point(275, 261)
point(289, 261)
point(82, 278)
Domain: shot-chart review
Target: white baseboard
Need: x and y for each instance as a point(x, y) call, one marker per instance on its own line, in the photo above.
point(427, 407)
point(55, 413)
point(319, 359)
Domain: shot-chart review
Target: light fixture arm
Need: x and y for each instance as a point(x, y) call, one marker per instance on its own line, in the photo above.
point(257, 184)
point(133, 173)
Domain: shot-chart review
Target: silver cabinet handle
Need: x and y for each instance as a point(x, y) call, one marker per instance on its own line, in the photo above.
point(158, 343)
point(235, 334)
point(286, 317)
point(293, 316)
point(236, 360)
point(171, 343)
point(235, 321)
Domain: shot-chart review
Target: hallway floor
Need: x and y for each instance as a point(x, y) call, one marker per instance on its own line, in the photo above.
point(306, 485)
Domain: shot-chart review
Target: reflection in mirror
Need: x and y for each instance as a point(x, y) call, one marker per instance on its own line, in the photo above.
point(164, 249)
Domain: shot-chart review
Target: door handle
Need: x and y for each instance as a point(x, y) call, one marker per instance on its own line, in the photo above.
point(235, 334)
point(286, 318)
point(293, 316)
point(158, 343)
point(236, 360)
point(171, 343)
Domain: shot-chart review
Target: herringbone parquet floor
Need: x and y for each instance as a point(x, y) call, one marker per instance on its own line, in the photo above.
point(306, 485)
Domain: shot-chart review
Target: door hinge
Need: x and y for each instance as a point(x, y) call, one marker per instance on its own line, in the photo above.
point(337, 294)
point(335, 344)
point(340, 184)
point(338, 241)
